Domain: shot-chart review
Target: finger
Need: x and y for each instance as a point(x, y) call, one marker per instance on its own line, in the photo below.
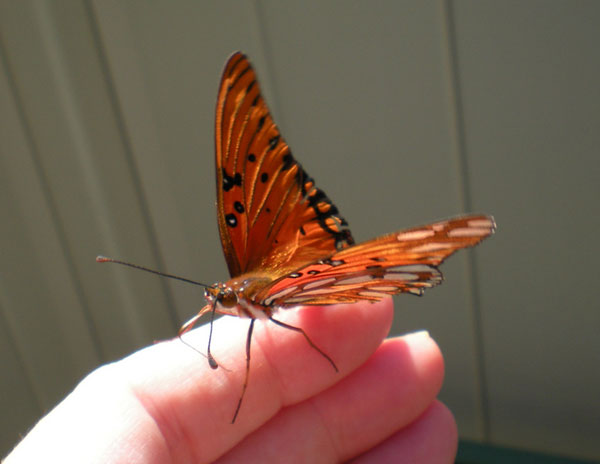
point(384, 395)
point(193, 405)
point(432, 439)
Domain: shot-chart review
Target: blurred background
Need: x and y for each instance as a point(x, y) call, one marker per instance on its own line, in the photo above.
point(403, 112)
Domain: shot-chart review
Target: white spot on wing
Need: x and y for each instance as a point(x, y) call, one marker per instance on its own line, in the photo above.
point(319, 283)
point(354, 280)
point(431, 247)
point(279, 294)
point(468, 232)
point(405, 276)
point(414, 235)
point(483, 223)
point(415, 291)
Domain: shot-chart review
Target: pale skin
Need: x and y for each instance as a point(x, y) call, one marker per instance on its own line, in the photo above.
point(164, 404)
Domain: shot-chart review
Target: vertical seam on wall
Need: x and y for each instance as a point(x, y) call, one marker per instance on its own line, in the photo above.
point(466, 200)
point(268, 78)
point(11, 333)
point(129, 158)
point(50, 202)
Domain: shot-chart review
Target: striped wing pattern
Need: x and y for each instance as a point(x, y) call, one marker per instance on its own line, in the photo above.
point(402, 262)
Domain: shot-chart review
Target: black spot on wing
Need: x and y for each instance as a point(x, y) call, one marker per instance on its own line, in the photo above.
point(324, 209)
point(231, 220)
point(231, 181)
point(238, 207)
point(303, 180)
point(288, 161)
point(274, 141)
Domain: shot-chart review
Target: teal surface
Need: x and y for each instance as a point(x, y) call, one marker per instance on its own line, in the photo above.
point(476, 453)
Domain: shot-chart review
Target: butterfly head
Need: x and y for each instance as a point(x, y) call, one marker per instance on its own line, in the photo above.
point(224, 296)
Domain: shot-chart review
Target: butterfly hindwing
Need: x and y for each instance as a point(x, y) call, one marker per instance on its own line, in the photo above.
point(270, 214)
point(404, 261)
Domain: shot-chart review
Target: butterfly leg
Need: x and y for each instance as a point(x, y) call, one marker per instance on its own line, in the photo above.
point(310, 342)
point(248, 343)
point(211, 360)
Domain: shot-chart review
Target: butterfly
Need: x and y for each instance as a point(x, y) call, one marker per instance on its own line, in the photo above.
point(284, 240)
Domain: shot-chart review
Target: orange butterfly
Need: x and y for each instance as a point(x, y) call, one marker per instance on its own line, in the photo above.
point(285, 242)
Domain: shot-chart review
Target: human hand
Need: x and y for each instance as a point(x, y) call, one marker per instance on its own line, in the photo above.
point(163, 404)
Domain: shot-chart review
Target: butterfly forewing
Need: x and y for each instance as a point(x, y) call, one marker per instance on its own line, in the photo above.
point(271, 216)
point(404, 261)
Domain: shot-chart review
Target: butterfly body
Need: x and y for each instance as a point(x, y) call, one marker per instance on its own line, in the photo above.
point(237, 298)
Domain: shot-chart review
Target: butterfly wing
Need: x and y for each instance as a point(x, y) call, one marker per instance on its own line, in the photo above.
point(404, 261)
point(270, 214)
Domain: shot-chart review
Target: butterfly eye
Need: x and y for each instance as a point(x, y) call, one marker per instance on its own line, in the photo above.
point(228, 298)
point(211, 293)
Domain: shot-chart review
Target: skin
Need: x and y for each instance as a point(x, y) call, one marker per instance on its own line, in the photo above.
point(164, 404)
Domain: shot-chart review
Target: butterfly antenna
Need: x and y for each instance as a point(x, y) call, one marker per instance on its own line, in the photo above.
point(192, 347)
point(189, 325)
point(104, 259)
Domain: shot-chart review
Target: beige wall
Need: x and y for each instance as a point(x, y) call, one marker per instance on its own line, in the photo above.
point(404, 112)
